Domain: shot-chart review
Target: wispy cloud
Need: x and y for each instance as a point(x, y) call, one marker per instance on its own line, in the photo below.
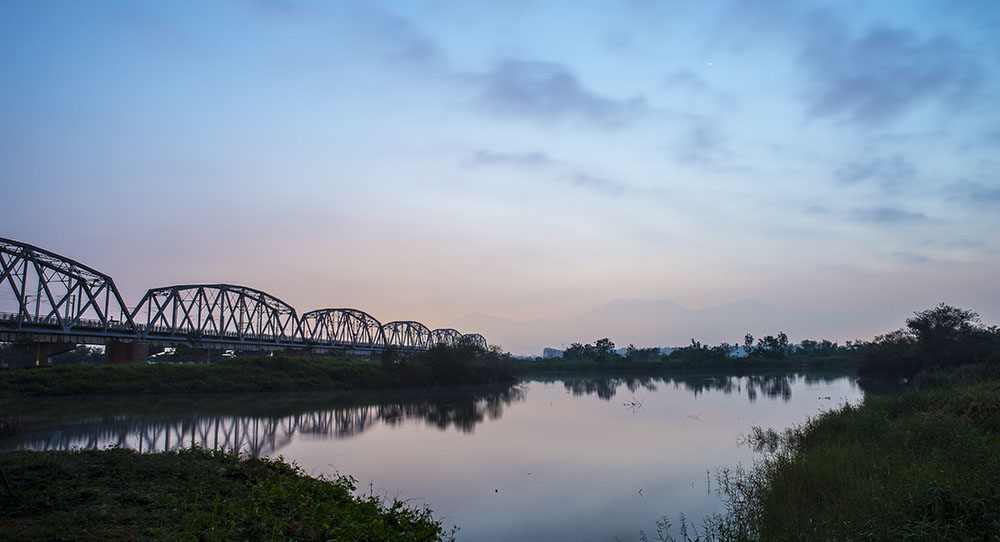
point(599, 184)
point(394, 38)
point(700, 143)
point(556, 171)
point(975, 193)
point(911, 257)
point(548, 91)
point(874, 77)
point(888, 215)
point(532, 159)
point(685, 80)
point(889, 173)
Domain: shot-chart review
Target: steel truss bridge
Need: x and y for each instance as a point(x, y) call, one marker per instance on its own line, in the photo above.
point(51, 303)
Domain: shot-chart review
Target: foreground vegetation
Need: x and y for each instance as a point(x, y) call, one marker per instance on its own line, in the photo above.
point(439, 365)
point(919, 464)
point(194, 494)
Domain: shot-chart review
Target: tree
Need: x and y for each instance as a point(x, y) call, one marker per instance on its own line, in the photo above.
point(575, 352)
point(604, 350)
point(945, 334)
point(774, 347)
point(634, 355)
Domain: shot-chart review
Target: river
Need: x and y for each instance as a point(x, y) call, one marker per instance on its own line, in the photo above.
point(550, 459)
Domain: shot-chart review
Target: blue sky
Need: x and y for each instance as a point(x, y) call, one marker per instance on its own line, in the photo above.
point(428, 160)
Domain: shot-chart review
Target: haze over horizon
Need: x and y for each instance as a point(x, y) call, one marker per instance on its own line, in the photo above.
point(518, 169)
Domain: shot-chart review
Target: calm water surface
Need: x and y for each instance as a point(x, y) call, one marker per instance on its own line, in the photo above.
point(562, 459)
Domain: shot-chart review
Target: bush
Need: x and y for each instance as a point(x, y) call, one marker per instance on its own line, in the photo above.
point(445, 364)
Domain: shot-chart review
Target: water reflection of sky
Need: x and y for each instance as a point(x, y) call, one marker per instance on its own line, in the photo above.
point(555, 459)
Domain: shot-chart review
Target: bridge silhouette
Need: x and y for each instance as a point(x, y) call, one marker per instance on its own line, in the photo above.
point(50, 304)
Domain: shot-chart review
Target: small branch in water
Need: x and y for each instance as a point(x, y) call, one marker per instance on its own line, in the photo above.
point(633, 404)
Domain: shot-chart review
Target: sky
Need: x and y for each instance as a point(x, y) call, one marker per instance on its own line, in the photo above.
point(525, 160)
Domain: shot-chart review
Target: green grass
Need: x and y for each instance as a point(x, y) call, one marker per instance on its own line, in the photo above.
point(440, 365)
point(923, 465)
point(235, 375)
point(193, 494)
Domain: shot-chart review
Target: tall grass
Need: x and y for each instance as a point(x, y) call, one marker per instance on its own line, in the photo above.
point(921, 465)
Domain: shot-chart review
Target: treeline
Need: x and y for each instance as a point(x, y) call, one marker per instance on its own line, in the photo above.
point(943, 337)
point(769, 347)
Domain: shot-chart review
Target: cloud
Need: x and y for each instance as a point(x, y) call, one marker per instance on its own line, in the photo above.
point(975, 193)
point(539, 160)
point(991, 138)
point(911, 257)
point(875, 77)
point(548, 91)
point(685, 80)
point(518, 159)
point(889, 173)
point(888, 215)
point(393, 38)
point(600, 184)
point(700, 144)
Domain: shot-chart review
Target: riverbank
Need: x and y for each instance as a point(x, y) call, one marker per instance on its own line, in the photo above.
point(193, 494)
point(439, 365)
point(259, 374)
point(921, 464)
point(339, 373)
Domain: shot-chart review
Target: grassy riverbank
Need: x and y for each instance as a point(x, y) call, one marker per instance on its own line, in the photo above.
point(194, 494)
point(236, 375)
point(922, 464)
point(440, 365)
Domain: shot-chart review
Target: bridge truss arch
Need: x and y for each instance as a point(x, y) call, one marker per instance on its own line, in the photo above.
point(342, 327)
point(475, 339)
point(216, 313)
point(448, 336)
point(406, 334)
point(42, 290)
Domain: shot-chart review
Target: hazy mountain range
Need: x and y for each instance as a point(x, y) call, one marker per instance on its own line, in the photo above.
point(647, 323)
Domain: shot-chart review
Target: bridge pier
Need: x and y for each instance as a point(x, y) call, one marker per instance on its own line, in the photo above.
point(40, 352)
point(125, 352)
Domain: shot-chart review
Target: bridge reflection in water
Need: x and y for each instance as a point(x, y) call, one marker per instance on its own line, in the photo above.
point(102, 423)
point(263, 424)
